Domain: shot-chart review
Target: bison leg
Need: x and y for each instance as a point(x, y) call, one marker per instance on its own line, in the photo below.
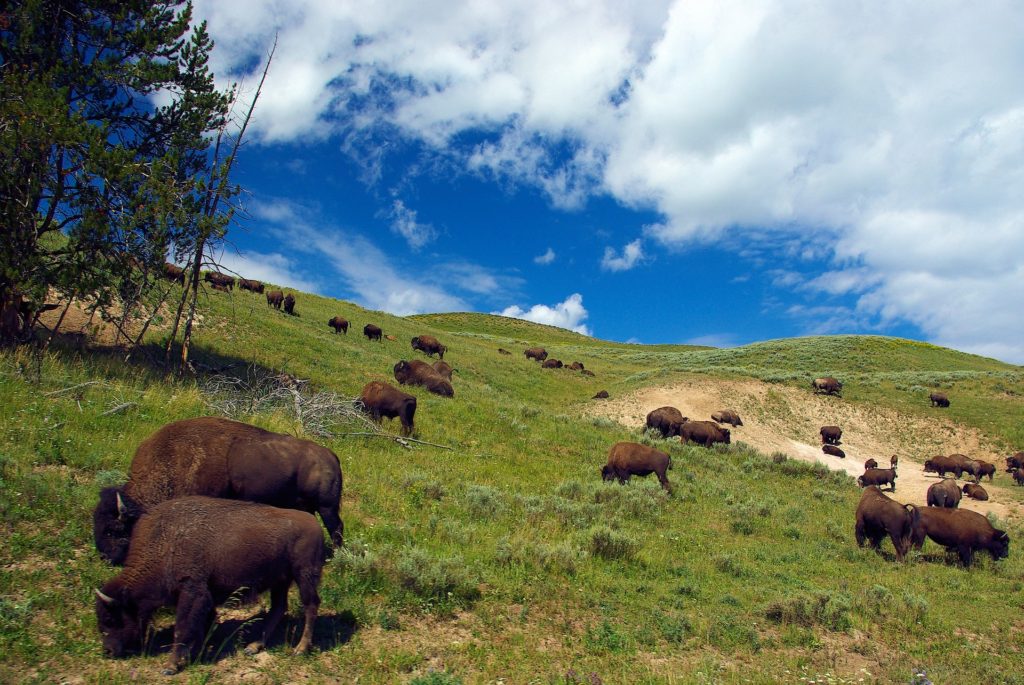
point(191, 621)
point(308, 581)
point(966, 553)
point(663, 479)
point(278, 605)
point(332, 521)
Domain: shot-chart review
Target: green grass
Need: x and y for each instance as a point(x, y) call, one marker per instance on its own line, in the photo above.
point(507, 556)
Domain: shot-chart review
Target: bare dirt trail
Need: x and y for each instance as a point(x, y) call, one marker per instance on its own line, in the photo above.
point(787, 419)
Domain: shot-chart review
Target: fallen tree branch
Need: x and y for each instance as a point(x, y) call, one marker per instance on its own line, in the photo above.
point(73, 387)
point(397, 438)
point(119, 408)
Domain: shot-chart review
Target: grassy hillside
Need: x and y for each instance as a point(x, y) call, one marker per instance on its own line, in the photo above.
point(505, 558)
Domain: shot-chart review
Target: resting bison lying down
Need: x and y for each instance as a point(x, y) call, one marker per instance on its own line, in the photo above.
point(827, 385)
point(975, 491)
point(219, 458)
point(878, 516)
point(946, 493)
point(962, 530)
point(627, 459)
point(834, 451)
point(727, 416)
point(382, 400)
point(195, 553)
point(551, 364)
point(704, 433)
point(416, 372)
point(443, 369)
point(878, 477)
point(666, 420)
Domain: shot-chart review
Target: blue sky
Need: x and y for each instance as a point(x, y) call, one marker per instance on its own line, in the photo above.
point(715, 173)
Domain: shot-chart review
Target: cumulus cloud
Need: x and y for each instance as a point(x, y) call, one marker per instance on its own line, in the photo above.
point(570, 314)
point(404, 223)
point(632, 254)
point(545, 258)
point(268, 267)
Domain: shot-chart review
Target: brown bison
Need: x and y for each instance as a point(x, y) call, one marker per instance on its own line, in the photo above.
point(429, 345)
point(289, 304)
point(551, 364)
point(174, 273)
point(939, 399)
point(878, 516)
point(979, 468)
point(894, 461)
point(219, 457)
point(416, 372)
point(666, 420)
point(1014, 462)
point(576, 366)
point(870, 464)
point(962, 530)
point(727, 416)
point(878, 477)
point(373, 332)
point(221, 287)
point(827, 385)
point(833, 451)
point(197, 552)
point(275, 298)
point(536, 353)
point(975, 491)
point(251, 285)
point(382, 400)
point(443, 369)
point(627, 459)
point(339, 324)
point(942, 465)
point(704, 433)
point(1018, 476)
point(946, 493)
point(502, 350)
point(600, 395)
point(830, 435)
point(586, 372)
point(217, 278)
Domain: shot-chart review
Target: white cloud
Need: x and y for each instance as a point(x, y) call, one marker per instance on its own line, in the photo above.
point(570, 314)
point(545, 258)
point(404, 223)
point(632, 255)
point(270, 268)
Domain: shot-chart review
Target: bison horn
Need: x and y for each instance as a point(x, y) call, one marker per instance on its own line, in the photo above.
point(105, 598)
point(121, 508)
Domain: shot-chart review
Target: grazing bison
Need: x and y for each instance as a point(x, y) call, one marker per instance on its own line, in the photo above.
point(600, 395)
point(289, 304)
point(727, 416)
point(382, 400)
point(939, 399)
point(275, 298)
point(878, 516)
point(502, 350)
point(217, 278)
point(219, 457)
point(979, 468)
point(878, 477)
point(429, 345)
point(1014, 462)
point(666, 420)
point(251, 285)
point(577, 366)
point(962, 530)
point(627, 459)
point(339, 324)
point(373, 332)
point(830, 435)
point(704, 433)
point(975, 491)
point(834, 451)
point(1018, 476)
point(536, 353)
point(946, 493)
point(197, 552)
point(551, 364)
point(443, 369)
point(174, 273)
point(421, 373)
point(827, 385)
point(870, 464)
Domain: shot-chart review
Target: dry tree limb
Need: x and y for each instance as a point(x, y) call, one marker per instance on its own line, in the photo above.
point(73, 387)
point(119, 408)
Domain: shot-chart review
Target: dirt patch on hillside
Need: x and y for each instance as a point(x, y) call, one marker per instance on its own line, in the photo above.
point(83, 327)
point(786, 419)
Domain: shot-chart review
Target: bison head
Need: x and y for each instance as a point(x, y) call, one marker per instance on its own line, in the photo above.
point(1000, 547)
point(112, 522)
point(607, 472)
point(727, 435)
point(118, 623)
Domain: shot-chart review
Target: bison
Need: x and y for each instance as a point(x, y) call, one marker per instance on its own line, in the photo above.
point(219, 457)
point(870, 464)
point(429, 345)
point(939, 399)
point(443, 369)
point(627, 459)
point(979, 468)
point(833, 451)
point(536, 353)
point(827, 385)
point(289, 304)
point(727, 416)
point(962, 530)
point(275, 298)
point(600, 395)
point(830, 435)
point(666, 420)
point(1018, 476)
point(975, 491)
point(196, 553)
point(503, 351)
point(704, 433)
point(380, 399)
point(878, 516)
point(421, 373)
point(878, 477)
point(942, 465)
point(551, 364)
point(587, 372)
point(217, 278)
point(946, 493)
point(339, 324)
point(894, 460)
point(174, 273)
point(373, 332)
point(577, 366)
point(251, 285)
point(221, 287)
point(1014, 462)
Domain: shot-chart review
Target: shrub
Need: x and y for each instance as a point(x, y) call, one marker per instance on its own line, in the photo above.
point(608, 544)
point(483, 501)
point(439, 579)
point(604, 638)
point(829, 611)
point(111, 478)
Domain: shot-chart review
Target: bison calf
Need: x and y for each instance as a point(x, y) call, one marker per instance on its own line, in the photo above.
point(878, 477)
point(878, 516)
point(946, 493)
point(961, 530)
point(870, 464)
point(382, 400)
point(196, 553)
point(627, 459)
